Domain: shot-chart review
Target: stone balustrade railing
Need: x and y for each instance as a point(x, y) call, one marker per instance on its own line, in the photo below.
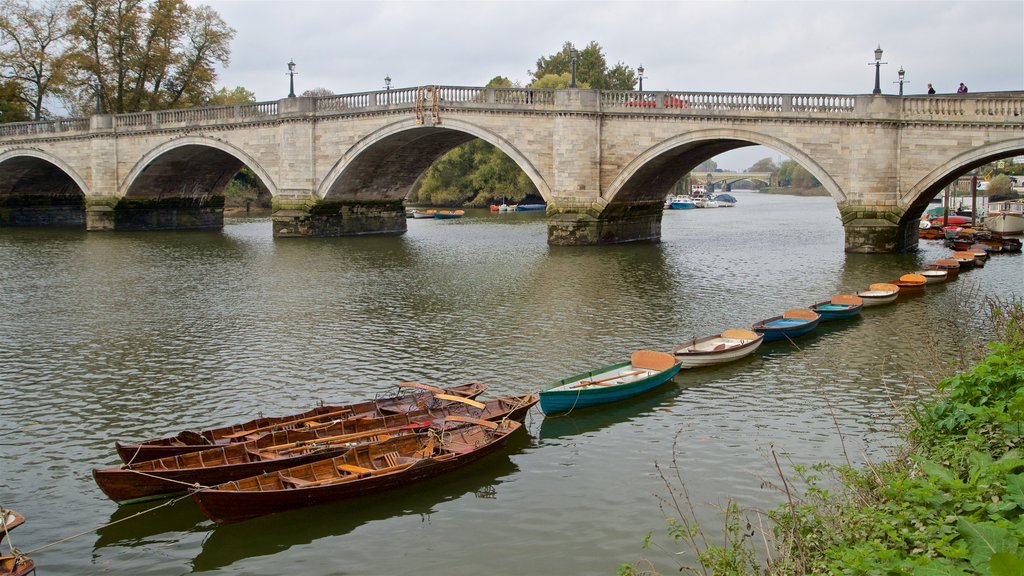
point(1005, 106)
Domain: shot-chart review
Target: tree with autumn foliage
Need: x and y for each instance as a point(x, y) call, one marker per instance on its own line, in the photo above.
point(34, 57)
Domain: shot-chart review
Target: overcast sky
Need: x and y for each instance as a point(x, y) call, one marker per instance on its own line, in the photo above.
point(821, 47)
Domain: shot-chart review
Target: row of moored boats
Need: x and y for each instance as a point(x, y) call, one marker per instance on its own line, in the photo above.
point(648, 369)
point(338, 452)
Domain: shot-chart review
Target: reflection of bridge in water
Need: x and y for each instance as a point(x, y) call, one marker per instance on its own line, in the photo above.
point(342, 165)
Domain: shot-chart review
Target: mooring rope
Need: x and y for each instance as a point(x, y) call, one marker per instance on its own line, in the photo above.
point(170, 502)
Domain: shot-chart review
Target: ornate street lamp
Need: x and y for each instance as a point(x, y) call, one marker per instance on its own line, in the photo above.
point(572, 55)
point(901, 73)
point(291, 79)
point(877, 64)
point(640, 73)
point(387, 82)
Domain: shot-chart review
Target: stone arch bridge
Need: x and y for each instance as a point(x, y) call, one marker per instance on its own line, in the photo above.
point(603, 160)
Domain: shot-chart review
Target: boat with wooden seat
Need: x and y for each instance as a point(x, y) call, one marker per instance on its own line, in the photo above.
point(791, 324)
point(16, 564)
point(13, 562)
point(449, 214)
point(644, 371)
point(879, 293)
point(951, 266)
point(366, 469)
point(839, 307)
point(910, 283)
point(933, 276)
point(729, 345)
point(9, 520)
point(966, 260)
point(417, 397)
point(287, 448)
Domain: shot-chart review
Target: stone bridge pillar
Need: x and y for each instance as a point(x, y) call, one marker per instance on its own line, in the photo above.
point(577, 214)
point(877, 228)
point(298, 211)
point(310, 217)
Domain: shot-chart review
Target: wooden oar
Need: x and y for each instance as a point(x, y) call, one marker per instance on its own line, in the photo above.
point(243, 433)
point(332, 439)
point(608, 379)
point(428, 387)
point(468, 401)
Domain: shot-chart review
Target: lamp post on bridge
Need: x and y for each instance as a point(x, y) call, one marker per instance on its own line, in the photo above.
point(572, 56)
point(291, 78)
point(387, 82)
point(640, 76)
point(901, 73)
point(877, 64)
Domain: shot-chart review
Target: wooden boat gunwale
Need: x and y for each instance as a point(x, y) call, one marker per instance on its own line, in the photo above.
point(191, 441)
point(147, 480)
point(595, 387)
point(381, 467)
point(738, 343)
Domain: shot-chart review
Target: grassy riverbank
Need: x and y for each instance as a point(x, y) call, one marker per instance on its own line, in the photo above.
point(951, 503)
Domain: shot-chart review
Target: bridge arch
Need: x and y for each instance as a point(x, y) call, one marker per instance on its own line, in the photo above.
point(35, 172)
point(653, 171)
point(917, 196)
point(207, 174)
point(386, 163)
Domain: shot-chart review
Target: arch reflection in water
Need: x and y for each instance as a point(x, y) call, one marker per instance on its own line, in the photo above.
point(270, 535)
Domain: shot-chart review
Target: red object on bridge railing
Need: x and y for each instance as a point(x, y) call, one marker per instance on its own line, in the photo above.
point(651, 102)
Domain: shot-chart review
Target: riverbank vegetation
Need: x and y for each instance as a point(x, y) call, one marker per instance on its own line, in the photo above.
point(951, 502)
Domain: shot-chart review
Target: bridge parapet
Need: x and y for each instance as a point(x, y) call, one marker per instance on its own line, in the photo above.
point(998, 107)
point(976, 108)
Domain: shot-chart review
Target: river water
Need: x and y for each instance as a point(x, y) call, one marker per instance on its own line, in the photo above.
point(139, 335)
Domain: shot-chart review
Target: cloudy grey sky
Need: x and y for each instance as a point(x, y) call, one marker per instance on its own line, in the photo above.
point(820, 47)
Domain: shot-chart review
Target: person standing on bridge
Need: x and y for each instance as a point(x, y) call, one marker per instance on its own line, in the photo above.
point(931, 89)
point(962, 89)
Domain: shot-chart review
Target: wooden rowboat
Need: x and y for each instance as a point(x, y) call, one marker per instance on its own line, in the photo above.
point(191, 441)
point(363, 470)
point(731, 344)
point(13, 563)
point(287, 448)
point(16, 564)
point(934, 276)
point(910, 283)
point(879, 293)
point(645, 370)
point(9, 520)
point(791, 324)
point(838, 307)
point(951, 266)
point(964, 259)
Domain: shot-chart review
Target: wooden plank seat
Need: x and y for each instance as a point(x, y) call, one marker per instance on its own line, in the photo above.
point(352, 468)
point(263, 455)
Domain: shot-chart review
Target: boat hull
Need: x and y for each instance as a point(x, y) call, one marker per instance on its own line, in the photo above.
point(830, 312)
point(877, 298)
point(1008, 224)
point(779, 328)
point(224, 505)
point(561, 399)
point(186, 442)
point(713, 350)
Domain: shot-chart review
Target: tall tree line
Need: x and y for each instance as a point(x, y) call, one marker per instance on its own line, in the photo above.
point(118, 55)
